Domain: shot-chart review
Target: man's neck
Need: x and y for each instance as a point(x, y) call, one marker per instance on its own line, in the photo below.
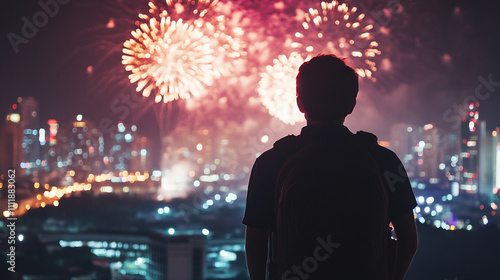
point(314, 122)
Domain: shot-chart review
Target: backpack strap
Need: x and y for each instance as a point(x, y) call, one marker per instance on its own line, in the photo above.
point(369, 140)
point(287, 146)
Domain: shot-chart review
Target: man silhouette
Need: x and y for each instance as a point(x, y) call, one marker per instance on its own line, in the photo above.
point(326, 94)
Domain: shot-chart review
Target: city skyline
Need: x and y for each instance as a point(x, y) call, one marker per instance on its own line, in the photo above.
point(67, 77)
point(467, 159)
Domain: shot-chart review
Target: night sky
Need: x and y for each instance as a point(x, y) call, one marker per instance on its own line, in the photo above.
point(434, 52)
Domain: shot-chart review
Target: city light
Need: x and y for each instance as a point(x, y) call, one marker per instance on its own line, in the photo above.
point(421, 200)
point(439, 208)
point(14, 117)
point(485, 220)
point(497, 165)
point(231, 197)
point(90, 186)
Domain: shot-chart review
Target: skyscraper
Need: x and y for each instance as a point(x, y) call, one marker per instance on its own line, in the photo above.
point(486, 154)
point(28, 109)
point(86, 148)
point(495, 145)
point(469, 156)
point(179, 257)
point(11, 152)
point(402, 142)
point(432, 153)
point(128, 151)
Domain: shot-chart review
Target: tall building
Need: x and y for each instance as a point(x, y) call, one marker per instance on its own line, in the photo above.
point(87, 146)
point(404, 139)
point(177, 257)
point(28, 109)
point(141, 154)
point(495, 145)
point(128, 151)
point(59, 147)
point(53, 129)
point(75, 149)
point(486, 155)
point(10, 143)
point(450, 166)
point(469, 156)
point(432, 154)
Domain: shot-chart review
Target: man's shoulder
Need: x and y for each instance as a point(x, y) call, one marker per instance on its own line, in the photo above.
point(381, 153)
point(386, 153)
point(278, 151)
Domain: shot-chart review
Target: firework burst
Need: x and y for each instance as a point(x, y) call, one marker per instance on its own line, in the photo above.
point(277, 88)
point(172, 58)
point(205, 15)
point(339, 29)
point(179, 49)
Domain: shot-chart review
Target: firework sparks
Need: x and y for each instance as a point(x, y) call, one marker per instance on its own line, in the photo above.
point(180, 49)
point(203, 14)
point(181, 9)
point(172, 58)
point(277, 88)
point(338, 29)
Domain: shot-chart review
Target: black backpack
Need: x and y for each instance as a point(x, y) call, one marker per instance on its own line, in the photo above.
point(331, 210)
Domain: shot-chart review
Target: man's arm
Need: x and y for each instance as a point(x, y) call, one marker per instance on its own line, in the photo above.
point(256, 250)
point(406, 232)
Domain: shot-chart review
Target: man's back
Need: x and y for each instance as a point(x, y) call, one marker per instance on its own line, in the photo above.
point(329, 194)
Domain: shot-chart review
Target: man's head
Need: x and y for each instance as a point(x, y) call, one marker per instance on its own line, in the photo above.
point(326, 89)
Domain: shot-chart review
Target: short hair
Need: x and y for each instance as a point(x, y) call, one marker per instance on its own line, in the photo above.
point(327, 88)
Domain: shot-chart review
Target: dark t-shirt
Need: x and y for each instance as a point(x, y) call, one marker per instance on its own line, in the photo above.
point(259, 211)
